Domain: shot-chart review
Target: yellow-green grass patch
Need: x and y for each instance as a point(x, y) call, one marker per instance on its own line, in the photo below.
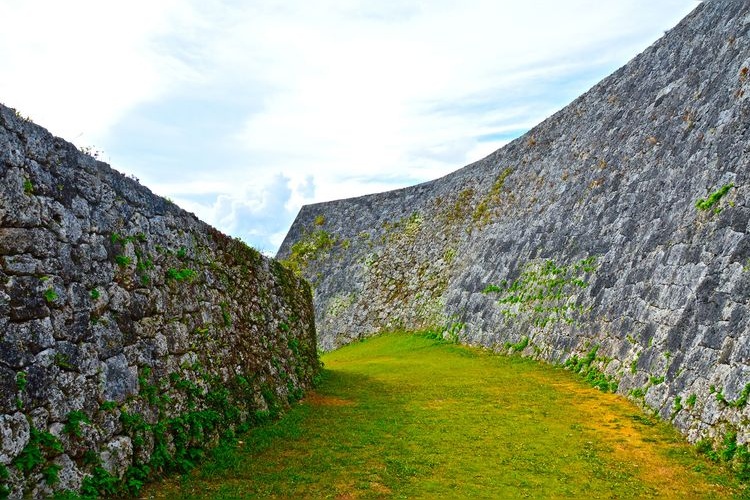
point(401, 415)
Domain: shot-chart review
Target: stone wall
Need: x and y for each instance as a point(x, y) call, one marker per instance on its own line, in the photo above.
point(132, 335)
point(581, 242)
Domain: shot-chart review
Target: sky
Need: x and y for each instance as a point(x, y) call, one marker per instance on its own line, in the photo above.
point(241, 111)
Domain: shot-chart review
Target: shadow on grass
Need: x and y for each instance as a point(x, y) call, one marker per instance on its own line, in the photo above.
point(348, 432)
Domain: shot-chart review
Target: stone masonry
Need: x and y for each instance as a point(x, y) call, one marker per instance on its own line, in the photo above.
point(132, 335)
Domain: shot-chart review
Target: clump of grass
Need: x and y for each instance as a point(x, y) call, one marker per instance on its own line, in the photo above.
point(50, 295)
point(184, 274)
point(590, 373)
point(638, 392)
point(518, 346)
point(656, 380)
point(676, 406)
point(713, 198)
point(690, 401)
point(311, 247)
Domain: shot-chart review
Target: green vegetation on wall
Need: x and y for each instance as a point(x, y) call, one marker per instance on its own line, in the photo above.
point(730, 453)
point(544, 293)
point(482, 214)
point(214, 413)
point(37, 455)
point(707, 203)
point(311, 247)
point(405, 227)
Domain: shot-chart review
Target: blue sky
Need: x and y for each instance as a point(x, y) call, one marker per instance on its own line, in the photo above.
point(243, 110)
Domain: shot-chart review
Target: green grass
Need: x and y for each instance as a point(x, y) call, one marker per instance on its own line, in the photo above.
point(402, 416)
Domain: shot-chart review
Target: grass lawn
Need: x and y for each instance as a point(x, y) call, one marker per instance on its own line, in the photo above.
point(406, 416)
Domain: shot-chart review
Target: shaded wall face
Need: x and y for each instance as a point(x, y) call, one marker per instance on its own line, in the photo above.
point(645, 177)
point(132, 335)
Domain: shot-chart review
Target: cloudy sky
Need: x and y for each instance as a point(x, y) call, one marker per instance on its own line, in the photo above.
point(243, 110)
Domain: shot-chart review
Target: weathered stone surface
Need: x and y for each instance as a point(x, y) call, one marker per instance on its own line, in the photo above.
point(69, 476)
point(616, 175)
point(117, 455)
point(125, 321)
point(120, 379)
point(14, 434)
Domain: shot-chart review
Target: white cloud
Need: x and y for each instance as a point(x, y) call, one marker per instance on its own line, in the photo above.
point(258, 213)
point(307, 187)
point(243, 110)
point(77, 66)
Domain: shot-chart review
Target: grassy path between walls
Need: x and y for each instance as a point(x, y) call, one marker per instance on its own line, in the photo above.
point(406, 416)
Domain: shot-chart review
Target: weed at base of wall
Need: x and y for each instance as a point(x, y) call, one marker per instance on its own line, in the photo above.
point(518, 346)
point(730, 453)
point(592, 375)
point(179, 442)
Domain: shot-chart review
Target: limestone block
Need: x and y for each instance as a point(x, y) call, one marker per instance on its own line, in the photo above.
point(14, 434)
point(119, 379)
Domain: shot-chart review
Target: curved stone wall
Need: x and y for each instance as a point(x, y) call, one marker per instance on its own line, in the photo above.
point(613, 236)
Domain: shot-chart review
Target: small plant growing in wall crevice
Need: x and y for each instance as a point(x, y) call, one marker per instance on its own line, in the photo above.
point(73, 423)
point(21, 381)
point(592, 375)
point(676, 407)
point(184, 274)
point(225, 315)
point(122, 260)
point(63, 361)
point(50, 295)
point(704, 204)
point(690, 401)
